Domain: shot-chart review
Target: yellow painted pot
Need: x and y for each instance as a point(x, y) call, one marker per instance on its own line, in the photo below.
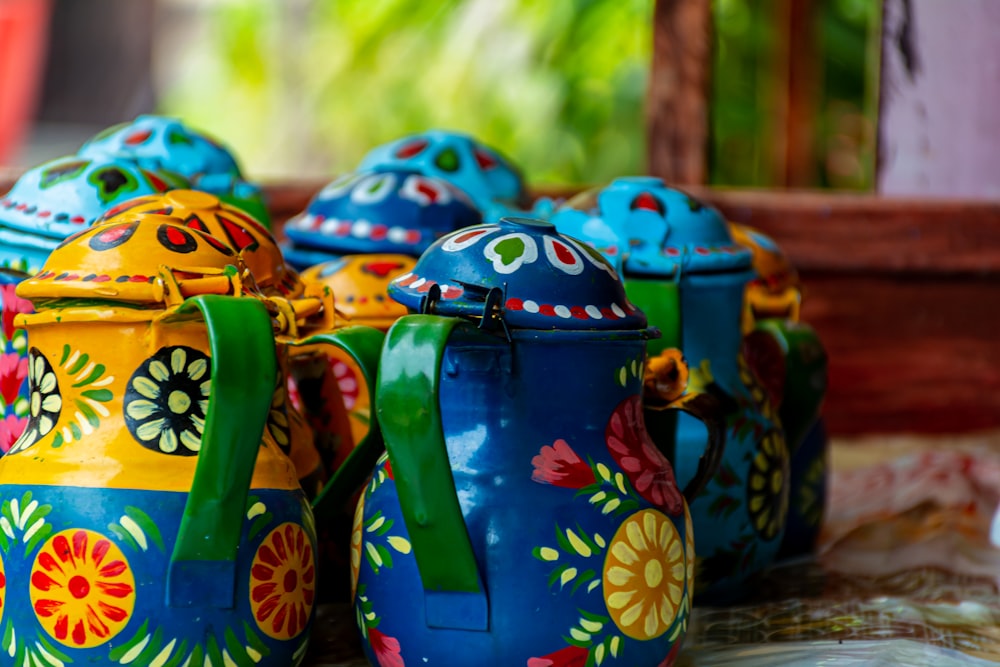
point(359, 283)
point(146, 503)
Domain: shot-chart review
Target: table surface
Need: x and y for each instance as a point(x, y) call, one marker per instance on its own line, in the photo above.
point(907, 571)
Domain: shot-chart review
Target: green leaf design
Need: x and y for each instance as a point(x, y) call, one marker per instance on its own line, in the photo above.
point(118, 652)
point(96, 372)
point(40, 535)
point(147, 524)
point(123, 535)
point(254, 641)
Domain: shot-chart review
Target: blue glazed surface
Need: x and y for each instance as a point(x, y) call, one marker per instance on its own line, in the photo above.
point(161, 143)
point(143, 525)
point(647, 229)
point(64, 196)
point(655, 233)
point(486, 176)
point(386, 211)
point(545, 280)
point(807, 500)
point(528, 426)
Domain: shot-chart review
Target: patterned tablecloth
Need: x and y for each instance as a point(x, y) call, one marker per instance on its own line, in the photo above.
point(907, 571)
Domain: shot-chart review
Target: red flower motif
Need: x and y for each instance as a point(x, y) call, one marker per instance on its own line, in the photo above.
point(672, 656)
point(11, 428)
point(13, 371)
point(571, 656)
point(646, 467)
point(12, 305)
point(559, 465)
point(386, 649)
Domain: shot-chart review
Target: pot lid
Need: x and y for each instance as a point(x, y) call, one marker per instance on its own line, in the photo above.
point(489, 178)
point(392, 211)
point(520, 271)
point(63, 196)
point(162, 143)
point(124, 262)
point(646, 228)
point(359, 284)
point(227, 223)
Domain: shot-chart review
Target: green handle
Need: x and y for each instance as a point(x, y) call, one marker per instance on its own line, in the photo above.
point(805, 376)
point(202, 568)
point(363, 344)
point(661, 301)
point(410, 416)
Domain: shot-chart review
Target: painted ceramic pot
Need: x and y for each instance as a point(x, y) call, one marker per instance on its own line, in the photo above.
point(481, 172)
point(153, 519)
point(521, 515)
point(359, 283)
point(166, 144)
point(45, 205)
point(682, 266)
point(389, 211)
point(776, 294)
point(308, 318)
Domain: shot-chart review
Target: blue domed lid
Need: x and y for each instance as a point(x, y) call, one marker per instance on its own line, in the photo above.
point(162, 143)
point(487, 177)
point(523, 272)
point(166, 144)
point(646, 228)
point(61, 197)
point(390, 211)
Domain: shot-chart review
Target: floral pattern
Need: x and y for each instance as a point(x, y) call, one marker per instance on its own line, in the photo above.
point(644, 575)
point(568, 656)
point(283, 582)
point(167, 398)
point(45, 402)
point(3, 586)
point(646, 467)
point(559, 465)
point(11, 428)
point(277, 418)
point(82, 588)
point(767, 486)
point(386, 649)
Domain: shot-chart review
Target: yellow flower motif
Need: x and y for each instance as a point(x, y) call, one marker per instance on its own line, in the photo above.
point(644, 575)
point(767, 486)
point(689, 557)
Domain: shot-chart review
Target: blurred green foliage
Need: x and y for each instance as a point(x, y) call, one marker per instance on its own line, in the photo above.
point(309, 87)
point(304, 88)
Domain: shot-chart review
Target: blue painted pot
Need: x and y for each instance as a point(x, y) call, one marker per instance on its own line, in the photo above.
point(521, 514)
point(682, 266)
point(390, 210)
point(161, 143)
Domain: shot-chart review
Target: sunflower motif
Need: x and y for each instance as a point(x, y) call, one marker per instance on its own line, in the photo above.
point(356, 539)
point(166, 400)
point(809, 498)
point(283, 582)
point(82, 588)
point(758, 392)
point(644, 575)
point(767, 485)
point(45, 402)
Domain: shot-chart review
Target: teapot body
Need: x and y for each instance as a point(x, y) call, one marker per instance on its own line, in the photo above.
point(95, 504)
point(582, 540)
point(741, 513)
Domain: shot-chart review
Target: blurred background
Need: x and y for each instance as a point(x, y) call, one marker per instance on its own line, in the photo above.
point(303, 88)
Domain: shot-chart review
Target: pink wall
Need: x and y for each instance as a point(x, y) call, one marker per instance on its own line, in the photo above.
point(939, 126)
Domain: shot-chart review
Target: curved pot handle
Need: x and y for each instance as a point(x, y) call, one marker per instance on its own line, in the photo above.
point(410, 417)
point(363, 345)
point(202, 568)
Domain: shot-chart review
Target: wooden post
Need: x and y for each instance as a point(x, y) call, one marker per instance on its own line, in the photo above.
point(677, 103)
point(798, 57)
point(939, 126)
